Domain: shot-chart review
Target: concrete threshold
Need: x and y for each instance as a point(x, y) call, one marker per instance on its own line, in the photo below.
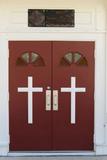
point(51, 153)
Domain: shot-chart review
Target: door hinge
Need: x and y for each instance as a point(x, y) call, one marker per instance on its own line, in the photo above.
point(8, 53)
point(94, 138)
point(8, 97)
point(9, 138)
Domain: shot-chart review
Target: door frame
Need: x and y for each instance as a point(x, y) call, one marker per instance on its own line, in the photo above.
point(100, 80)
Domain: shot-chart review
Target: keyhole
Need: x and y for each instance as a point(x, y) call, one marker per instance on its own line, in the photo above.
point(48, 87)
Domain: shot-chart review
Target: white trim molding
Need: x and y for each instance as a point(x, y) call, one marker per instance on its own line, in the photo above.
point(100, 82)
point(4, 96)
point(4, 148)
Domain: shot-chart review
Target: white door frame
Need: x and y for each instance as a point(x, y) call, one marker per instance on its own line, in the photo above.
point(100, 81)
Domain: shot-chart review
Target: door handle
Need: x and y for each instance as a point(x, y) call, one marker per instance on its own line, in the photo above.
point(55, 100)
point(48, 100)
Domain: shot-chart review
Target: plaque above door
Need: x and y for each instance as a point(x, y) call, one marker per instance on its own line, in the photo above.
point(51, 18)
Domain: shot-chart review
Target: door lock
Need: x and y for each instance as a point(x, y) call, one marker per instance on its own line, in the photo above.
point(48, 87)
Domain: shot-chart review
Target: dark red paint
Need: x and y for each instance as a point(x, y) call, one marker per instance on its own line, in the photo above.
point(68, 136)
point(51, 130)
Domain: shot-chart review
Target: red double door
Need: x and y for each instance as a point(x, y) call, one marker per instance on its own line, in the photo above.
point(51, 89)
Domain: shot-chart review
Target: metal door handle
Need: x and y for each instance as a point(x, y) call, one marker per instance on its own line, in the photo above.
point(48, 100)
point(55, 100)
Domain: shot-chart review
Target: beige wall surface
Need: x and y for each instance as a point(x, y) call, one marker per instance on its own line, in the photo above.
point(89, 13)
point(52, 3)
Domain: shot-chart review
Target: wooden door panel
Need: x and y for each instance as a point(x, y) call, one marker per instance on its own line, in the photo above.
point(78, 136)
point(51, 130)
point(24, 136)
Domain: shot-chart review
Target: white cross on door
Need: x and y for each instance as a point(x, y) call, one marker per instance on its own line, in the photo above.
point(30, 91)
point(73, 91)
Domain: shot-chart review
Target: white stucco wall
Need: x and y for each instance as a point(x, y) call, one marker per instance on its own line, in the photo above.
point(90, 24)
